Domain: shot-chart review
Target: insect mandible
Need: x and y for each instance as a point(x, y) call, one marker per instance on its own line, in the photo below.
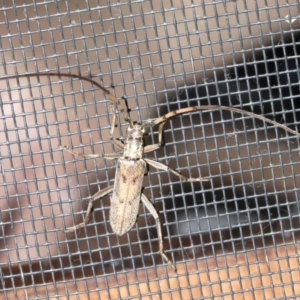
point(131, 165)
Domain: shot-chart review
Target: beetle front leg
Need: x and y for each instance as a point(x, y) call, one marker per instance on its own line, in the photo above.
point(91, 155)
point(153, 147)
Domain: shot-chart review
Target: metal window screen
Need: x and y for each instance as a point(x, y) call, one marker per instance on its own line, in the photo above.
point(233, 237)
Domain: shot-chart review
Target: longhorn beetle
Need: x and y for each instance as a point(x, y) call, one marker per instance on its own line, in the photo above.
point(131, 166)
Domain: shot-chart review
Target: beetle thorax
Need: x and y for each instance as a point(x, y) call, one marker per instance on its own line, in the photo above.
point(133, 145)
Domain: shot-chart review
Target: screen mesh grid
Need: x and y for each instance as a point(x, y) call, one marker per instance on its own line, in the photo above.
point(232, 237)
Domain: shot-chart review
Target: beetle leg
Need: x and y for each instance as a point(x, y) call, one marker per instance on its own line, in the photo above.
point(98, 195)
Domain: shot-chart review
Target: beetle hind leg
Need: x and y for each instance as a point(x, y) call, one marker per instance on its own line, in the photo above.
point(98, 195)
point(154, 213)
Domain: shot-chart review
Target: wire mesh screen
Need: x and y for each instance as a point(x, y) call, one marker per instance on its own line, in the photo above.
point(234, 236)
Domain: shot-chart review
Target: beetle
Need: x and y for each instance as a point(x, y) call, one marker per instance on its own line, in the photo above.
point(131, 165)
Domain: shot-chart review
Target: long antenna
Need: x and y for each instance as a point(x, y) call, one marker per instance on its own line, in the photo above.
point(106, 91)
point(174, 113)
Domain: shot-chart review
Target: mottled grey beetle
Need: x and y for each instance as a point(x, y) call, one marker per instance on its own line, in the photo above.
point(131, 165)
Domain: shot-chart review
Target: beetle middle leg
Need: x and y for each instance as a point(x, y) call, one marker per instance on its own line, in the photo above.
point(91, 155)
point(98, 195)
point(154, 213)
point(164, 167)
